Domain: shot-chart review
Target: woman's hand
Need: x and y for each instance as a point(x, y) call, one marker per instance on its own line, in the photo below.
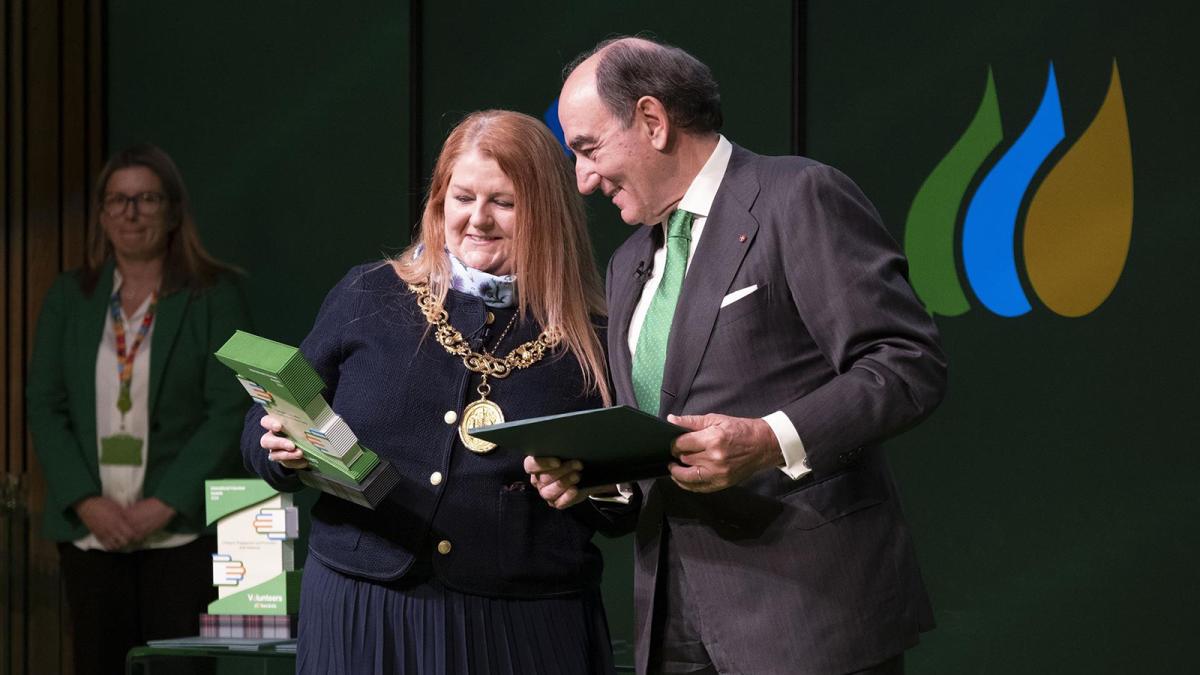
point(280, 448)
point(148, 516)
point(555, 480)
point(106, 519)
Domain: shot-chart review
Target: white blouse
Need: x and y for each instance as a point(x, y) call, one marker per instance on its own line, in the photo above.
point(119, 482)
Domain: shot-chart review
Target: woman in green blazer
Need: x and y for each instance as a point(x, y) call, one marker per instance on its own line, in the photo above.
point(130, 413)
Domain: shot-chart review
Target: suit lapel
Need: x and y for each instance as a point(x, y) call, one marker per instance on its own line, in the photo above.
point(167, 319)
point(87, 346)
point(728, 234)
point(627, 290)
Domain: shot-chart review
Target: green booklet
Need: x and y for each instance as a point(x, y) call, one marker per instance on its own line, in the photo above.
point(279, 378)
point(253, 568)
point(616, 445)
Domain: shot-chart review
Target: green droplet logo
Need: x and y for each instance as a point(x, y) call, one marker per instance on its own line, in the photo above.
point(933, 217)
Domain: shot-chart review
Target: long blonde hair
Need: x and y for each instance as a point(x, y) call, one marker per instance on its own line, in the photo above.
point(557, 280)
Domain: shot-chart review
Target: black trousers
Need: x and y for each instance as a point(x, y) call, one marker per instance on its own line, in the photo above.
point(676, 638)
point(120, 600)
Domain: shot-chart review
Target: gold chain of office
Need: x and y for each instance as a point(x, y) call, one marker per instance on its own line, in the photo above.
point(522, 356)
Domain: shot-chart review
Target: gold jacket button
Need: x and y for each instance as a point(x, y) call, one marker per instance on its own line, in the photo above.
point(491, 318)
point(451, 417)
point(444, 547)
point(435, 478)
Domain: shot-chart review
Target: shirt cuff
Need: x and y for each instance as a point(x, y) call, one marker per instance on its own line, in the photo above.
point(624, 494)
point(794, 456)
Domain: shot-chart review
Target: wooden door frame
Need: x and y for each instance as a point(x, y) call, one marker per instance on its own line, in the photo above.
point(52, 129)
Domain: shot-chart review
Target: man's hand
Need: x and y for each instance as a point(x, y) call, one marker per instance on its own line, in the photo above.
point(107, 520)
point(555, 481)
point(148, 516)
point(721, 451)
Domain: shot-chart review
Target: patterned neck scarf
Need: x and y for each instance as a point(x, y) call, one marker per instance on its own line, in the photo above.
point(495, 291)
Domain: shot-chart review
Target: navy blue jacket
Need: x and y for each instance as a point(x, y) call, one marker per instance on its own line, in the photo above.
point(393, 385)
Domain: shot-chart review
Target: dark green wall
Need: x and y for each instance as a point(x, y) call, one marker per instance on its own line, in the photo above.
point(1053, 494)
point(289, 121)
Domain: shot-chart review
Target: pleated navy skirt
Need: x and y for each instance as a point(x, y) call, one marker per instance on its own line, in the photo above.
point(354, 627)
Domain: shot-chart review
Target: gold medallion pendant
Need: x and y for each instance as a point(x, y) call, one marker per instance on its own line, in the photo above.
point(483, 412)
point(479, 413)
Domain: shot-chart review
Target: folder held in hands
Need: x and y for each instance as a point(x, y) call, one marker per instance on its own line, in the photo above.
point(616, 445)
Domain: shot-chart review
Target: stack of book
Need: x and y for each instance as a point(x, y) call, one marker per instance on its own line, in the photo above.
point(279, 378)
point(248, 626)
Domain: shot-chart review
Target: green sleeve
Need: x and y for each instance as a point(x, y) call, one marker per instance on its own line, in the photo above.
point(212, 451)
point(69, 476)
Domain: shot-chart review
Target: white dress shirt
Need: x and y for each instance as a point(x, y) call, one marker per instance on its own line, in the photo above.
point(698, 200)
point(123, 483)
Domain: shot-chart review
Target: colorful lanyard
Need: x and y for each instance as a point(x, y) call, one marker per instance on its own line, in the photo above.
point(125, 359)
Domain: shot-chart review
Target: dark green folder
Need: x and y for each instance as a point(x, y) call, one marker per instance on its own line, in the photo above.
point(616, 445)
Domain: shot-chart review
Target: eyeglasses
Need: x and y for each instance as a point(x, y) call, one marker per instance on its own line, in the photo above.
point(147, 203)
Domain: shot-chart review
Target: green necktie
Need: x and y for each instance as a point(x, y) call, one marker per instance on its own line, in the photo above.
point(651, 354)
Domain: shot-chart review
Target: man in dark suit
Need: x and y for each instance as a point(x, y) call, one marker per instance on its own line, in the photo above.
point(765, 308)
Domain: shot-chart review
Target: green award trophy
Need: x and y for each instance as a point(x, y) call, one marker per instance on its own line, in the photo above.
point(279, 378)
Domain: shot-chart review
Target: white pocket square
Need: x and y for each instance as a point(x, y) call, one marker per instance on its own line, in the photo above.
point(738, 295)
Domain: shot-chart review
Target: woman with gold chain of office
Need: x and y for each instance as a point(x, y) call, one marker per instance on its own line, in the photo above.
point(495, 312)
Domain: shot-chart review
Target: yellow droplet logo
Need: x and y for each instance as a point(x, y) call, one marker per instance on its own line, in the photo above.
point(1080, 220)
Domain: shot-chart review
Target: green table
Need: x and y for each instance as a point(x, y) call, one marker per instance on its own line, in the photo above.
point(219, 661)
point(209, 661)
